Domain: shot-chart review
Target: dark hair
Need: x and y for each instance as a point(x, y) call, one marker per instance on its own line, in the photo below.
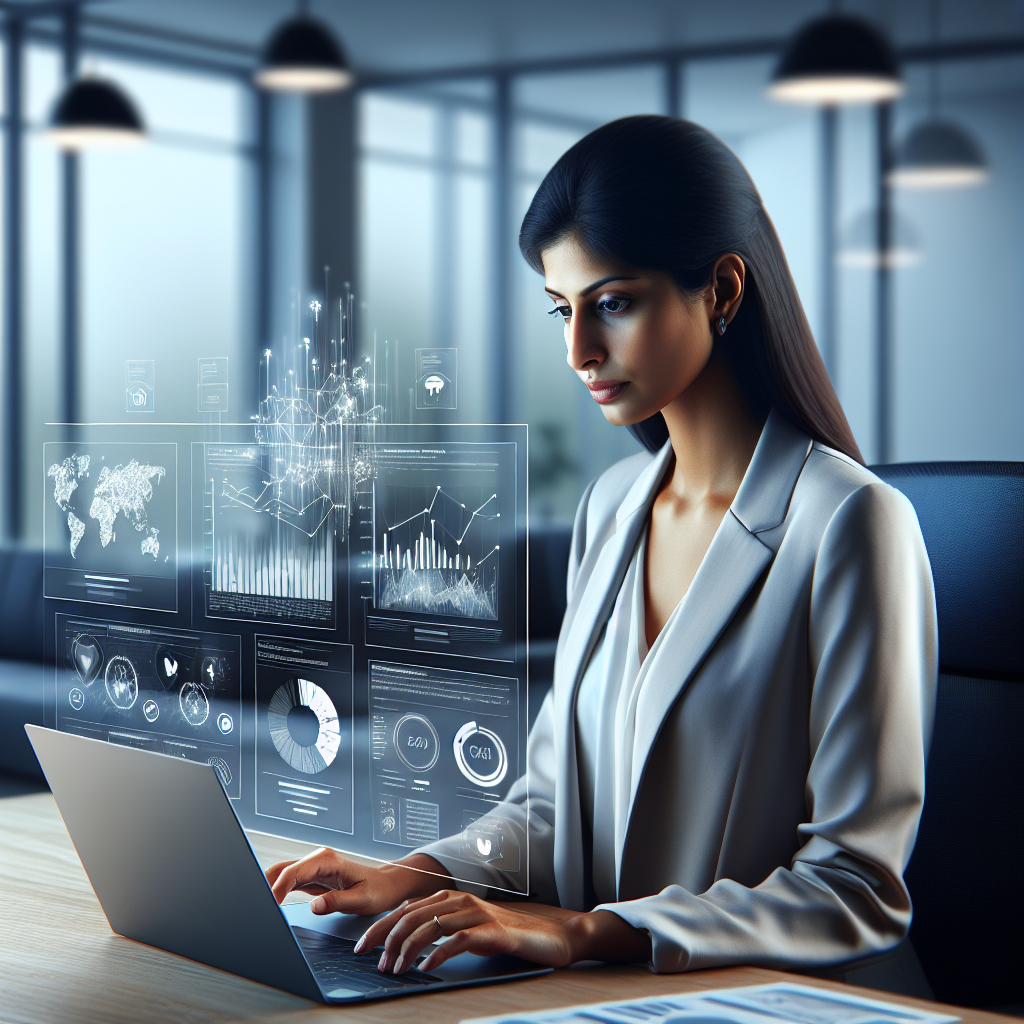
point(665, 194)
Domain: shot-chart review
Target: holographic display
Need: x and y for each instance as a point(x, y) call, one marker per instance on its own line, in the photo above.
point(171, 691)
point(304, 732)
point(438, 521)
point(270, 540)
point(444, 749)
point(342, 637)
point(110, 523)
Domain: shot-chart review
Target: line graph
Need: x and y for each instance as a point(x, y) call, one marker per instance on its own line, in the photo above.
point(271, 542)
point(439, 557)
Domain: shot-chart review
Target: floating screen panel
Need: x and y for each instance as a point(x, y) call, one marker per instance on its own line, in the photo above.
point(171, 691)
point(110, 523)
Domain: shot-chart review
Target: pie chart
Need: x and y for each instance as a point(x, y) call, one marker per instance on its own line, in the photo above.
point(304, 726)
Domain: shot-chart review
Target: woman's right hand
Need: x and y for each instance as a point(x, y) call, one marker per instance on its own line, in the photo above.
point(346, 886)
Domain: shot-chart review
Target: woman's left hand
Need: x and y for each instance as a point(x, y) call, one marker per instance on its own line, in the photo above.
point(542, 934)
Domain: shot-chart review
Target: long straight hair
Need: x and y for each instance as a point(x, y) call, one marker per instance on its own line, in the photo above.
point(667, 195)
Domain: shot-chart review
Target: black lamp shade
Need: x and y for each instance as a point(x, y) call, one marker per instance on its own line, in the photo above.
point(837, 60)
point(859, 244)
point(303, 55)
point(939, 154)
point(95, 111)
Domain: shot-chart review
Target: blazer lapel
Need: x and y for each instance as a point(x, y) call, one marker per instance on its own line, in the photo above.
point(597, 588)
point(734, 562)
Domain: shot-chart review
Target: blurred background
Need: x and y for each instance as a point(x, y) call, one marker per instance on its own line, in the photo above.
point(895, 187)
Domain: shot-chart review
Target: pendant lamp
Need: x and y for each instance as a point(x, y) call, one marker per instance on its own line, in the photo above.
point(938, 153)
point(859, 245)
point(836, 61)
point(303, 55)
point(96, 112)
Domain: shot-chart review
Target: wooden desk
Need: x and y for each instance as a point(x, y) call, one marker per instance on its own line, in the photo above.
point(59, 961)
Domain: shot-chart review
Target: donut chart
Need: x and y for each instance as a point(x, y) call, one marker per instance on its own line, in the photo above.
point(480, 754)
point(302, 752)
point(416, 742)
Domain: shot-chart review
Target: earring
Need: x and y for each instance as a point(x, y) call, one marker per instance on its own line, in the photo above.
point(722, 325)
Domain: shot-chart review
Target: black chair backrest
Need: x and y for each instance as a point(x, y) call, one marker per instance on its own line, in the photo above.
point(549, 563)
point(966, 876)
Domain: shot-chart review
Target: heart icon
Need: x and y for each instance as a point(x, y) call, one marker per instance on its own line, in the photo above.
point(87, 656)
point(166, 666)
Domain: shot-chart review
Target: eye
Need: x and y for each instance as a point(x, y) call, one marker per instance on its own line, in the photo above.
point(612, 305)
point(562, 311)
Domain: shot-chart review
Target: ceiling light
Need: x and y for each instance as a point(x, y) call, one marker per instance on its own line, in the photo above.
point(303, 56)
point(95, 112)
point(859, 246)
point(938, 154)
point(837, 61)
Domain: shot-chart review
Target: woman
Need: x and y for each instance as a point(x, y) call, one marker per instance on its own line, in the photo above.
point(730, 765)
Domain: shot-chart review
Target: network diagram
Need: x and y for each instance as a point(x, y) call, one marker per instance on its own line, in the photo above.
point(324, 605)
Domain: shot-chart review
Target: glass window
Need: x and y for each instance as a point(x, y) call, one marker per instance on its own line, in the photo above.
point(958, 355)
point(426, 216)
point(42, 356)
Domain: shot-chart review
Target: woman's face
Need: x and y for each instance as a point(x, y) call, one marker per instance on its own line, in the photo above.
point(633, 339)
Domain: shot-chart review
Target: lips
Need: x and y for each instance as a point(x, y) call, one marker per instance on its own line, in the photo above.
point(604, 391)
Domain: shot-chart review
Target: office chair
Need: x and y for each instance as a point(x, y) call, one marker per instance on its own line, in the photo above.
point(966, 875)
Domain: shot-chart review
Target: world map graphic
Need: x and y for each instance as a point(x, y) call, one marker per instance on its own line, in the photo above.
point(125, 490)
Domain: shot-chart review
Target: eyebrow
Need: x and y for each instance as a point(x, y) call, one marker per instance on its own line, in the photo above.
point(595, 285)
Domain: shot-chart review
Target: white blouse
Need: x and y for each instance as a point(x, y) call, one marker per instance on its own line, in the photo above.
point(606, 721)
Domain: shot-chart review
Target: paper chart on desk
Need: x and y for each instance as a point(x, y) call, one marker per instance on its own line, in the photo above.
point(754, 1004)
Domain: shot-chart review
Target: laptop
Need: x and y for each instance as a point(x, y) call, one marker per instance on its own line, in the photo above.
point(172, 867)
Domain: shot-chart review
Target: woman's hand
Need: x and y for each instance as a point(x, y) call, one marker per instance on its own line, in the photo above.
point(347, 886)
point(542, 934)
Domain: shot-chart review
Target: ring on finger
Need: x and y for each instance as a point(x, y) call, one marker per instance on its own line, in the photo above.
point(438, 923)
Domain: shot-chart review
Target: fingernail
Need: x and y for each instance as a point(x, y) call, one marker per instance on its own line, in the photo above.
point(319, 905)
point(383, 960)
point(358, 948)
point(399, 964)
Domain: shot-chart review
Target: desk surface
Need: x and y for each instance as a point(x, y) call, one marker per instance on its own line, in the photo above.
point(59, 961)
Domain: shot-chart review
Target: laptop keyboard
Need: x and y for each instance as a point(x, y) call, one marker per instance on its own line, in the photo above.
point(336, 966)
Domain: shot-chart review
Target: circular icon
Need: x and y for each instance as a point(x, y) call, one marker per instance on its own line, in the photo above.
point(225, 724)
point(151, 710)
point(121, 681)
point(304, 726)
point(480, 754)
point(87, 656)
point(194, 704)
point(212, 672)
point(76, 698)
point(388, 823)
point(416, 742)
point(222, 769)
point(167, 667)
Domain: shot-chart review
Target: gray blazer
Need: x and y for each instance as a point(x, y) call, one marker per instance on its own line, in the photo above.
point(778, 772)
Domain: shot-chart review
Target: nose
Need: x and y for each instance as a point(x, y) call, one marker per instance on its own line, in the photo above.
point(584, 349)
